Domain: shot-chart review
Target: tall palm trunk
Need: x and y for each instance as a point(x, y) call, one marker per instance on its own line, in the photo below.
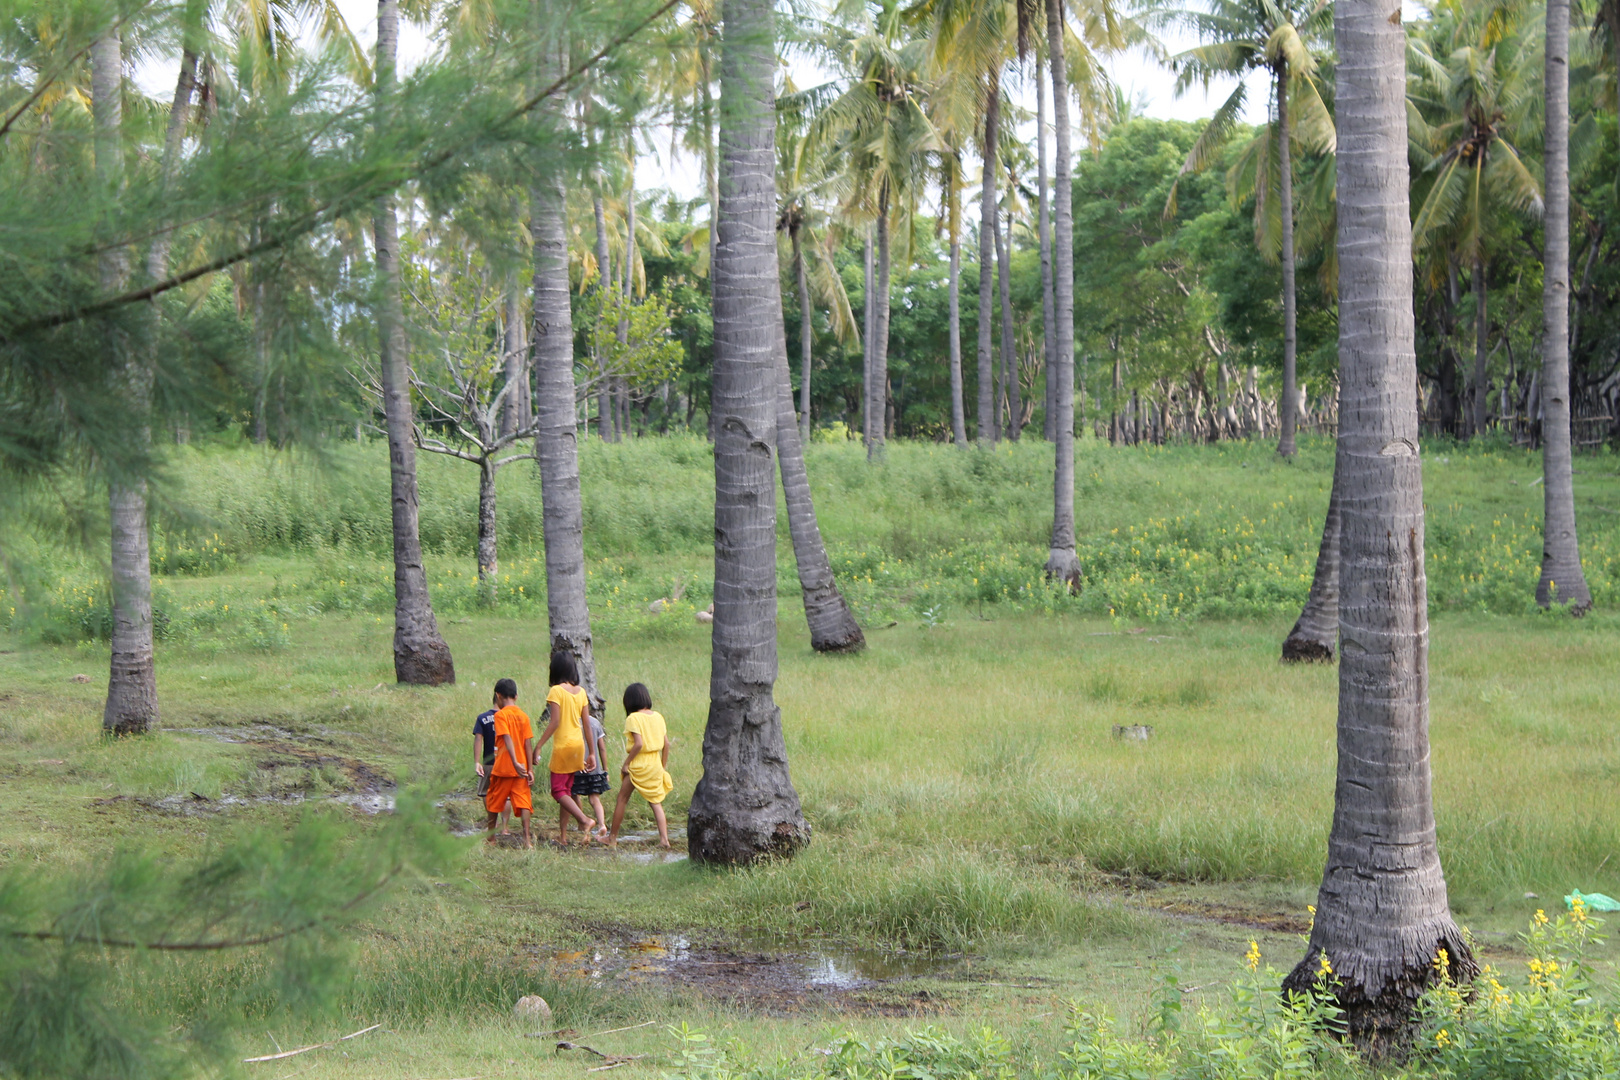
point(868, 336)
point(1062, 564)
point(1315, 635)
point(1561, 551)
point(877, 383)
point(744, 808)
point(1381, 915)
point(1288, 410)
point(801, 285)
point(1009, 343)
point(131, 706)
point(604, 275)
point(1482, 329)
point(556, 447)
point(954, 201)
point(1048, 308)
point(987, 258)
point(421, 657)
point(832, 626)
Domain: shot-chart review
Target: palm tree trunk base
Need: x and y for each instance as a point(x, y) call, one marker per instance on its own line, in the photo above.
point(132, 705)
point(1062, 564)
point(842, 634)
point(1302, 647)
point(743, 833)
point(1563, 584)
point(422, 659)
point(1382, 1023)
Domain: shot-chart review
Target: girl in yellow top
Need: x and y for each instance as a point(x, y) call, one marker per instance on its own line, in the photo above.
point(645, 761)
point(567, 708)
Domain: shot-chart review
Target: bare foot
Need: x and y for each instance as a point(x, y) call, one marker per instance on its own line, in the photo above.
point(664, 844)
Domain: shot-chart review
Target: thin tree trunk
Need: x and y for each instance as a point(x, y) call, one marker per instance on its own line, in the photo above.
point(801, 284)
point(1048, 309)
point(1482, 326)
point(868, 335)
point(556, 446)
point(958, 411)
point(421, 657)
point(987, 258)
point(1561, 571)
point(1382, 915)
point(1315, 636)
point(1062, 563)
point(1288, 420)
point(131, 707)
point(515, 407)
point(878, 378)
point(604, 275)
point(488, 562)
point(832, 626)
point(744, 808)
point(1009, 343)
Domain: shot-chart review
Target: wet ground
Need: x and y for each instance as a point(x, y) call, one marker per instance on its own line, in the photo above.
point(768, 977)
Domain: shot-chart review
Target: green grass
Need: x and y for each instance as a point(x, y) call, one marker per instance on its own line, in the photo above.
point(962, 781)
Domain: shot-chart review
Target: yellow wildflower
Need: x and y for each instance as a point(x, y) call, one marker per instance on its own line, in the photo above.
point(1251, 959)
point(1326, 968)
point(1541, 917)
point(1442, 1039)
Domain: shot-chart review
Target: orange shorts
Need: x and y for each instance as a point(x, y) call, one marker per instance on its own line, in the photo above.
point(502, 788)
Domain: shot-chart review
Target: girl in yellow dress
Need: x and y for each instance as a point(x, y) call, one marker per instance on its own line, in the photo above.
point(568, 713)
point(646, 761)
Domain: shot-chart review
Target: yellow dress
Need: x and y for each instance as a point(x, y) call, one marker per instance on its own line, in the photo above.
point(647, 768)
point(568, 742)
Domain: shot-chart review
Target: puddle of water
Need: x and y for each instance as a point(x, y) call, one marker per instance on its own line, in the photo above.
point(369, 803)
point(749, 966)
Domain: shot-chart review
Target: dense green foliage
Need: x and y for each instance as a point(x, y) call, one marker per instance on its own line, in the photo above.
point(1166, 534)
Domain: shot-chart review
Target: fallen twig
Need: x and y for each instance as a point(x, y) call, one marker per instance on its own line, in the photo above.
point(605, 1068)
point(613, 1061)
point(650, 1023)
point(307, 1049)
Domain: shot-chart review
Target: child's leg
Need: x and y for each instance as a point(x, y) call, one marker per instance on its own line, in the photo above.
point(571, 807)
point(596, 807)
point(523, 818)
point(663, 825)
point(618, 810)
point(506, 820)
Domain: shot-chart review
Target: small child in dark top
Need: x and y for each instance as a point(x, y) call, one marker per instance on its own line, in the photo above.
point(595, 784)
point(484, 759)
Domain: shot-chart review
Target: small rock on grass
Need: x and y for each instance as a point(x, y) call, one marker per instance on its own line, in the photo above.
point(532, 1007)
point(81, 677)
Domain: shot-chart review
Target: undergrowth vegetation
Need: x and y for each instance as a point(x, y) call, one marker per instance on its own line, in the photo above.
point(251, 541)
point(1557, 1024)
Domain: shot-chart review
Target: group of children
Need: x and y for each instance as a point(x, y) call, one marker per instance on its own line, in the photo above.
point(504, 749)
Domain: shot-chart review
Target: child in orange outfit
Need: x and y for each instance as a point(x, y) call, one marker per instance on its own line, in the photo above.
point(512, 775)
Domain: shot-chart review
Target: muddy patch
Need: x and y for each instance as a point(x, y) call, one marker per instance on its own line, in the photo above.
point(1273, 920)
point(290, 768)
point(759, 978)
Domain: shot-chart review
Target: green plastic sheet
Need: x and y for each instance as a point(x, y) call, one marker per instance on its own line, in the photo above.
point(1594, 901)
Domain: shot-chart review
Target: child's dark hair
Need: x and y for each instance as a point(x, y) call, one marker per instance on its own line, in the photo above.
point(563, 668)
point(506, 688)
point(636, 698)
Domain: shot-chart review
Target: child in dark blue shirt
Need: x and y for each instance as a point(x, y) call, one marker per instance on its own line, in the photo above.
point(484, 759)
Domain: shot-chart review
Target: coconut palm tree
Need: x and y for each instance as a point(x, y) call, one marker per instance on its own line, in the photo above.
point(421, 657)
point(556, 449)
point(744, 808)
point(1561, 575)
point(880, 131)
point(131, 706)
point(1043, 197)
point(1473, 103)
point(1275, 36)
point(1062, 561)
point(1383, 927)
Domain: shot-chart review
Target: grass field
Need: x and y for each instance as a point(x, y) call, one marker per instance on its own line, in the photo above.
point(984, 849)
